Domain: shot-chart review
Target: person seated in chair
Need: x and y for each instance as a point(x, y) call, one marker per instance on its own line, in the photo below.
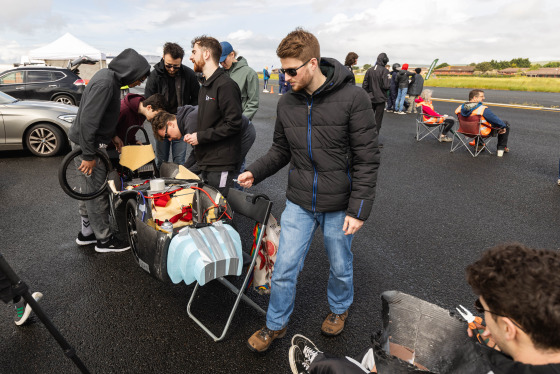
point(432, 117)
point(474, 107)
point(518, 292)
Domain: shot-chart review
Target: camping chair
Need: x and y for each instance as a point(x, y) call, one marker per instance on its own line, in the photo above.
point(424, 128)
point(471, 129)
point(256, 207)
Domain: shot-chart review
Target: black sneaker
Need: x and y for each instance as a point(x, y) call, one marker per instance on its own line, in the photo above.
point(302, 342)
point(23, 310)
point(298, 364)
point(86, 240)
point(111, 245)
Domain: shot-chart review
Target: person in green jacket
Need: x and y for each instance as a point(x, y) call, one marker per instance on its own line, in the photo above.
point(245, 77)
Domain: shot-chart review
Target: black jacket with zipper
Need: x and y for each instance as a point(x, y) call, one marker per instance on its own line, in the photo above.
point(158, 82)
point(376, 80)
point(219, 123)
point(330, 140)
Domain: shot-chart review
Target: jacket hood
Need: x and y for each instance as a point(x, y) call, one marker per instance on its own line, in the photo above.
point(132, 101)
point(337, 74)
point(382, 59)
point(468, 107)
point(129, 66)
point(418, 100)
point(241, 62)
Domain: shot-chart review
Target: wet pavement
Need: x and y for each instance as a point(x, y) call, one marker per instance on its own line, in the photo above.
point(434, 213)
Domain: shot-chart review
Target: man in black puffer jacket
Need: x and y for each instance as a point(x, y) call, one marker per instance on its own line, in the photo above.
point(325, 129)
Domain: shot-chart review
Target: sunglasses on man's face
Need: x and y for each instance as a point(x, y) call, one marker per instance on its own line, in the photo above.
point(172, 67)
point(292, 72)
point(166, 136)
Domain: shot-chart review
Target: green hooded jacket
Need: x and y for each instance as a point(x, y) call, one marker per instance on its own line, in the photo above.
point(248, 82)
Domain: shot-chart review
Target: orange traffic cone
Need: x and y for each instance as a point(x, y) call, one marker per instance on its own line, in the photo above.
point(271, 89)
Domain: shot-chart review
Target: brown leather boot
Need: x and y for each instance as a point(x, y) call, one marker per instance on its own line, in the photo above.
point(261, 340)
point(334, 324)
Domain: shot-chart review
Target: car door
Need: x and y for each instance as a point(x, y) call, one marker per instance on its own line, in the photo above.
point(39, 85)
point(12, 83)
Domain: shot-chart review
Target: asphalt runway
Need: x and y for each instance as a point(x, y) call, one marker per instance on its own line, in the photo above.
point(434, 213)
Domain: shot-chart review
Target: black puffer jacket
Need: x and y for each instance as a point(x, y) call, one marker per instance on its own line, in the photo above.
point(402, 78)
point(330, 140)
point(158, 82)
point(376, 80)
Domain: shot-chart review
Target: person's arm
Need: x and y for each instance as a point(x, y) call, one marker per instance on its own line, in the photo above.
point(429, 111)
point(229, 102)
point(365, 157)
point(151, 85)
point(365, 83)
point(193, 89)
point(385, 82)
point(494, 120)
point(92, 112)
point(252, 104)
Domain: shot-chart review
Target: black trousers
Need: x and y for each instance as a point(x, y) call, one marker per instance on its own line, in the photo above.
point(378, 111)
point(222, 180)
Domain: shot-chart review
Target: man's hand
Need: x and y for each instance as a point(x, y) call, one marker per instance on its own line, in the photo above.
point(351, 225)
point(246, 179)
point(502, 131)
point(86, 167)
point(486, 336)
point(191, 139)
point(118, 143)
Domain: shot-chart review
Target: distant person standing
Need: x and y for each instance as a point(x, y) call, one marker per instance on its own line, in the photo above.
point(376, 84)
point(247, 79)
point(402, 81)
point(266, 77)
point(217, 140)
point(351, 60)
point(394, 88)
point(285, 86)
point(178, 84)
point(415, 89)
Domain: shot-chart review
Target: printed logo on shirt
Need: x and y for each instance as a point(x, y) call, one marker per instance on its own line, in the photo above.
point(209, 98)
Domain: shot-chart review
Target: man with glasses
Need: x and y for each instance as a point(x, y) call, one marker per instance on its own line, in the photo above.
point(326, 130)
point(179, 85)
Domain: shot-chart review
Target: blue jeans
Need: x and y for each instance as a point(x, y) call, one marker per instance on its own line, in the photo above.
point(400, 99)
point(178, 147)
point(298, 228)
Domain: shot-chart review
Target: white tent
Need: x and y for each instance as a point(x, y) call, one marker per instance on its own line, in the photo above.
point(67, 47)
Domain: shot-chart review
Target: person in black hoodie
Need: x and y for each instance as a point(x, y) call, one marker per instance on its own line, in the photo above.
point(376, 84)
point(217, 140)
point(325, 129)
point(93, 129)
point(394, 88)
point(179, 85)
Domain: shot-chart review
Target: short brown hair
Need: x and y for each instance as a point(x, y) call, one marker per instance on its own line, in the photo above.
point(524, 285)
point(156, 101)
point(474, 93)
point(210, 43)
point(160, 121)
point(174, 50)
point(299, 44)
point(351, 58)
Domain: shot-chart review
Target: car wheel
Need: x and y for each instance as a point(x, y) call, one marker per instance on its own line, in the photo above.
point(64, 99)
point(45, 140)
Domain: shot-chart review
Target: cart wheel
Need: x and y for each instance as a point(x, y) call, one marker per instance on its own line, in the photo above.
point(75, 183)
point(131, 228)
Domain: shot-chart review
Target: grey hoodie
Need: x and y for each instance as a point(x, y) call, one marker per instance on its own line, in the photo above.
point(98, 114)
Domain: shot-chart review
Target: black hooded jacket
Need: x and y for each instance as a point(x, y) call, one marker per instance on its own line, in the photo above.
point(158, 82)
point(330, 140)
point(376, 80)
point(99, 110)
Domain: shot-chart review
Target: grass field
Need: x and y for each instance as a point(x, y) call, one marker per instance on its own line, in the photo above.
point(488, 83)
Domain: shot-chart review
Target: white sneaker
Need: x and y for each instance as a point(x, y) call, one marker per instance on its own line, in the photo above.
point(265, 90)
point(559, 182)
point(445, 139)
point(500, 153)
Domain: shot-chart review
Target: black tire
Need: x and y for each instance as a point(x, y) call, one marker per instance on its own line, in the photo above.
point(72, 181)
point(65, 99)
point(45, 140)
point(131, 229)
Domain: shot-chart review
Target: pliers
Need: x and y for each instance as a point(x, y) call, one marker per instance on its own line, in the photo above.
point(475, 323)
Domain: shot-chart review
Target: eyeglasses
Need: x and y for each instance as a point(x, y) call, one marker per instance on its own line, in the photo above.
point(480, 309)
point(173, 67)
point(166, 136)
point(292, 72)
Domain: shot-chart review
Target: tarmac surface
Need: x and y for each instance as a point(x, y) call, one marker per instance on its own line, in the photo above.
point(434, 213)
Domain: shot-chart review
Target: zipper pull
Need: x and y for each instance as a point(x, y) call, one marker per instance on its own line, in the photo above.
point(308, 109)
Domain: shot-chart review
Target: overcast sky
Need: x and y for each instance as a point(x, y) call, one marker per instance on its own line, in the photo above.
point(412, 31)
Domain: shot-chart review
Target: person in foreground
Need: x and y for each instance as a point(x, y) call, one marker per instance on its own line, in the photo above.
point(519, 295)
point(326, 130)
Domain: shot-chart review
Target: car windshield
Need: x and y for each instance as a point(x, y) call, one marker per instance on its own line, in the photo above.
point(6, 99)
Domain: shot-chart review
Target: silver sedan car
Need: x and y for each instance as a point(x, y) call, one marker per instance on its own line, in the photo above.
point(40, 126)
